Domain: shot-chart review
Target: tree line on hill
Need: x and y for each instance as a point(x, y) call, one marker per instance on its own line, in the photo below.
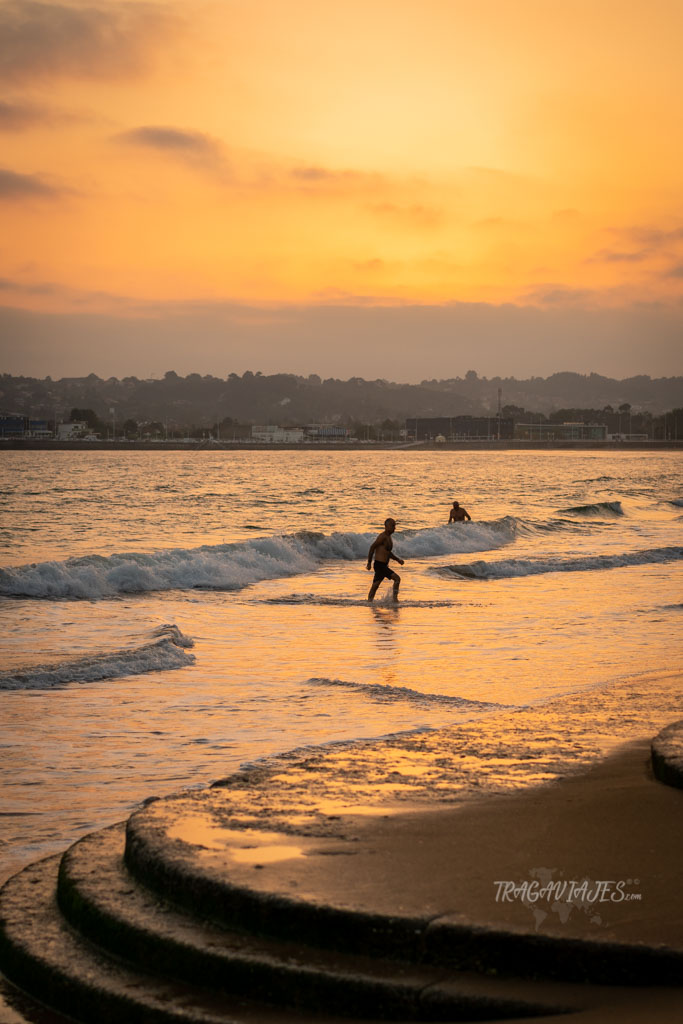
point(195, 405)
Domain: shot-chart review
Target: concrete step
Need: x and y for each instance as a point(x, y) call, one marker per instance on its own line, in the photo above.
point(194, 973)
point(104, 902)
point(187, 849)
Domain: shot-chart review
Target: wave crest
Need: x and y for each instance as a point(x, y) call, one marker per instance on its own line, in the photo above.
point(390, 694)
point(599, 508)
point(233, 566)
point(534, 567)
point(163, 654)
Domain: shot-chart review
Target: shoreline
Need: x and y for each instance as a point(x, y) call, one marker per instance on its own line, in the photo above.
point(9, 444)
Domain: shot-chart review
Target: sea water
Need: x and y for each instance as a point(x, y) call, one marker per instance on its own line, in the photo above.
point(170, 616)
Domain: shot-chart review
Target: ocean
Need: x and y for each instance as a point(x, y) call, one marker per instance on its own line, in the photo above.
point(170, 616)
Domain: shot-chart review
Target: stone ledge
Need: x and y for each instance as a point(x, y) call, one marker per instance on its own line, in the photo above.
point(667, 755)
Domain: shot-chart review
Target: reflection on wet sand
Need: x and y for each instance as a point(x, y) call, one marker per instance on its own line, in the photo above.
point(244, 846)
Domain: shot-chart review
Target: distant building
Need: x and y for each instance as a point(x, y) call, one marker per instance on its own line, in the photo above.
point(39, 429)
point(73, 431)
point(560, 431)
point(12, 426)
point(628, 437)
point(23, 426)
point(326, 432)
point(459, 428)
point(277, 435)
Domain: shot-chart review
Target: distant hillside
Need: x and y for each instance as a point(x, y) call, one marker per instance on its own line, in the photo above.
point(287, 400)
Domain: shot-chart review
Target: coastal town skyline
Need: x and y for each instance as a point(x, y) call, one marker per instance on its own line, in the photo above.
point(345, 189)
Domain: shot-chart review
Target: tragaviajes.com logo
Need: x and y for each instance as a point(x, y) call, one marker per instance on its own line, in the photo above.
point(544, 894)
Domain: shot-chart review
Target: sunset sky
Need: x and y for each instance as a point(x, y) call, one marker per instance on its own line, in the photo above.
point(401, 189)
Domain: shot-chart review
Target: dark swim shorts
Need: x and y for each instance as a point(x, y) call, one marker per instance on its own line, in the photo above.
point(382, 572)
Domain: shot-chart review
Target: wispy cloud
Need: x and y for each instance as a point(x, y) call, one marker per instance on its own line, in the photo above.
point(618, 256)
point(15, 186)
point(43, 40)
point(557, 295)
point(319, 181)
point(652, 235)
point(17, 116)
point(312, 175)
point(414, 215)
point(191, 147)
point(29, 288)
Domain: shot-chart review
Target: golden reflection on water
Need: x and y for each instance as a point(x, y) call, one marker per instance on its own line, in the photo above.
point(79, 757)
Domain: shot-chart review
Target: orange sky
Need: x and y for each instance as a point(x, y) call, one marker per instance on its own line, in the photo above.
point(263, 153)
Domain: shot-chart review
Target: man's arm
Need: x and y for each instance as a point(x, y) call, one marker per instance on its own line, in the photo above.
point(467, 515)
point(396, 558)
point(375, 544)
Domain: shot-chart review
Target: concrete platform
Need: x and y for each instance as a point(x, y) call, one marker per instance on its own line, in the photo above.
point(564, 898)
point(667, 755)
point(423, 885)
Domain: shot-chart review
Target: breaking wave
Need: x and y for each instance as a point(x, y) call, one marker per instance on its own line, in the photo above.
point(390, 694)
point(166, 652)
point(535, 567)
point(600, 508)
point(234, 566)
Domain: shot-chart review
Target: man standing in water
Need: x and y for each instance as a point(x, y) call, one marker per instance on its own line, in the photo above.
point(458, 514)
point(381, 549)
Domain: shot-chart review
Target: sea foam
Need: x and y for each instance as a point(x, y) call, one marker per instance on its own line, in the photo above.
point(167, 651)
point(234, 566)
point(514, 567)
point(390, 694)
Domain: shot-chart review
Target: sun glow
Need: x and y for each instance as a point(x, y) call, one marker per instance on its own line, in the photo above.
point(379, 153)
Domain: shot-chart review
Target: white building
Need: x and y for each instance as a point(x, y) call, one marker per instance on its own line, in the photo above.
point(277, 435)
point(72, 431)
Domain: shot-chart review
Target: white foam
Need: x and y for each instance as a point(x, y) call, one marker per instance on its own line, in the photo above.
point(163, 654)
point(233, 566)
point(482, 570)
point(390, 694)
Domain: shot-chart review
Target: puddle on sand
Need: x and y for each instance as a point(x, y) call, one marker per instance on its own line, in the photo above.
point(245, 847)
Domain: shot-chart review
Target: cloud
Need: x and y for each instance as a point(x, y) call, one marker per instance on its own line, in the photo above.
point(15, 186)
point(312, 179)
point(401, 342)
point(616, 256)
point(16, 116)
point(19, 115)
point(654, 236)
point(558, 295)
point(370, 265)
point(191, 147)
point(675, 271)
point(323, 174)
point(30, 288)
point(46, 40)
point(414, 215)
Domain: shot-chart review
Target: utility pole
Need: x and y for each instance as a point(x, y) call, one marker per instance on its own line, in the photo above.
point(500, 394)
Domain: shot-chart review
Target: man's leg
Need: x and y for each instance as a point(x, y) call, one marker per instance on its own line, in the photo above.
point(397, 583)
point(373, 589)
